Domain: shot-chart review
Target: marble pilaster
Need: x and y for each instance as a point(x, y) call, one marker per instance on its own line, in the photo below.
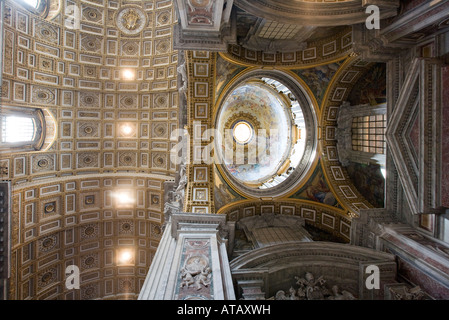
point(191, 262)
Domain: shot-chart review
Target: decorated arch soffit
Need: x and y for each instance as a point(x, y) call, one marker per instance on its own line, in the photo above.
point(338, 91)
point(329, 219)
point(330, 48)
point(54, 9)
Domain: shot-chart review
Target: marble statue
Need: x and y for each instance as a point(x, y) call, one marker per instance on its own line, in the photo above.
point(180, 189)
point(280, 295)
point(175, 198)
point(314, 289)
point(183, 72)
point(406, 293)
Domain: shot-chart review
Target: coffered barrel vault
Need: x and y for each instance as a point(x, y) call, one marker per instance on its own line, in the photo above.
point(111, 139)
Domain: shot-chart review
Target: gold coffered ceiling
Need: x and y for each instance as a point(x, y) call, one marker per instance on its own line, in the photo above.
point(108, 85)
point(112, 136)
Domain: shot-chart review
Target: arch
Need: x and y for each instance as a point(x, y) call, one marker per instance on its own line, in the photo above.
point(329, 49)
point(277, 267)
point(25, 129)
point(66, 213)
point(337, 93)
point(331, 220)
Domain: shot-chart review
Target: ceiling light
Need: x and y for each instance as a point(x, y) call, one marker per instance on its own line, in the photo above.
point(128, 74)
point(125, 257)
point(124, 197)
point(126, 129)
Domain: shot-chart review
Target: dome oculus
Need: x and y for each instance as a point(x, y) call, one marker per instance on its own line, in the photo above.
point(242, 132)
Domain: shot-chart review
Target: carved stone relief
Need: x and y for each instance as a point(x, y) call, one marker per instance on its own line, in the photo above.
point(311, 288)
point(196, 273)
point(131, 20)
point(402, 291)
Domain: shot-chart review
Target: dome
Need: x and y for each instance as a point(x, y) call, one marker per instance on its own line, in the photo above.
point(262, 132)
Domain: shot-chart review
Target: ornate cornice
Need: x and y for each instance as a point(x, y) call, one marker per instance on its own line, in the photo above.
point(305, 252)
point(318, 13)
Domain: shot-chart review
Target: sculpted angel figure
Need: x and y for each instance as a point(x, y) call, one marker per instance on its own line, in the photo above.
point(280, 295)
point(203, 278)
point(187, 278)
point(180, 190)
point(293, 295)
point(183, 72)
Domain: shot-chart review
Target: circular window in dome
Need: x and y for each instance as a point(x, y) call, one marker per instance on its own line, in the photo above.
point(242, 132)
point(265, 134)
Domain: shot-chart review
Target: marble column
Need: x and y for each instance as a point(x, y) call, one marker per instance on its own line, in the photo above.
point(191, 262)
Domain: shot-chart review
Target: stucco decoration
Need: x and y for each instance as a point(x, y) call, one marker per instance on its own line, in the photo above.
point(131, 20)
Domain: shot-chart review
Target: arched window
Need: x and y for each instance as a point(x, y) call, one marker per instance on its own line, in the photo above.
point(17, 129)
point(39, 7)
point(32, 3)
point(21, 129)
